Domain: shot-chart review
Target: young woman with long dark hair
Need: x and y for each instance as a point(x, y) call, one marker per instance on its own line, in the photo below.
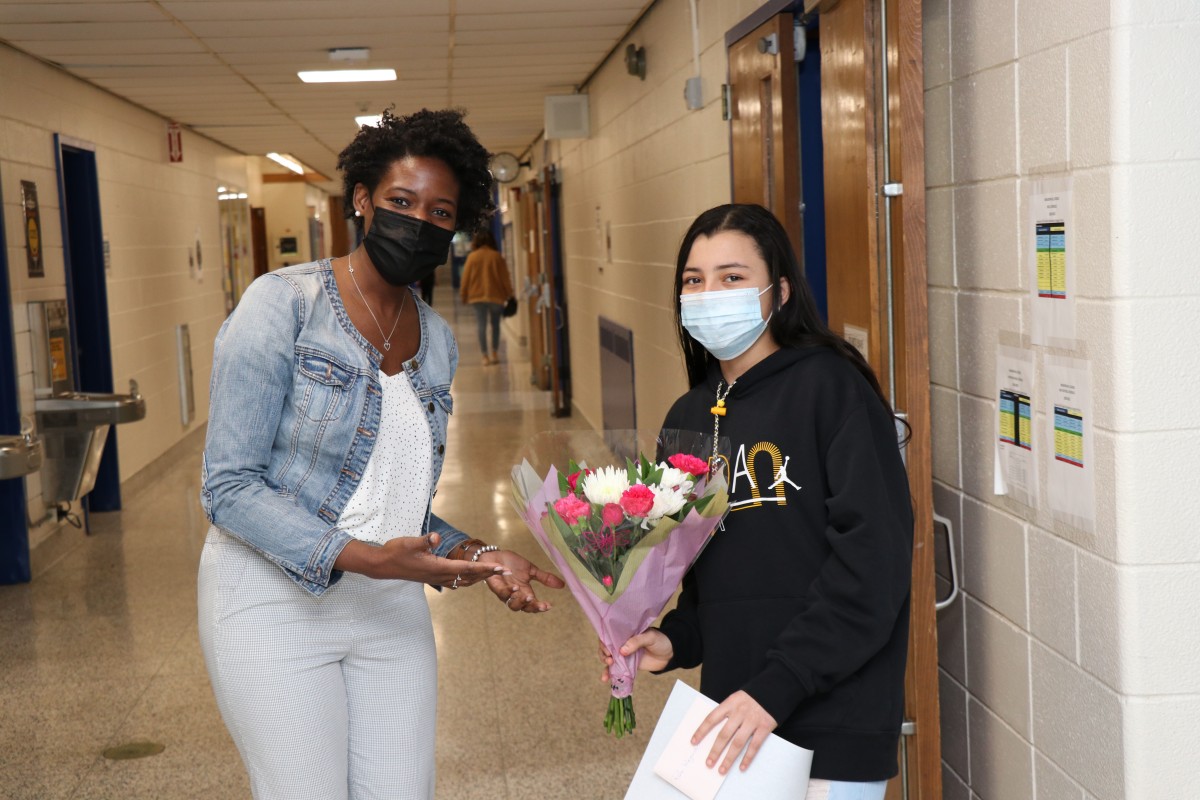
point(797, 611)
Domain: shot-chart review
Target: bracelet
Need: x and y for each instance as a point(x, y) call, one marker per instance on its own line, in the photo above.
point(487, 548)
point(461, 549)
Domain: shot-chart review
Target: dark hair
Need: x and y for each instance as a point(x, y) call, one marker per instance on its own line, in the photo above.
point(796, 323)
point(483, 238)
point(435, 134)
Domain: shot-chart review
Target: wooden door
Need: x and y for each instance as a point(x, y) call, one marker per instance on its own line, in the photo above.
point(339, 230)
point(555, 316)
point(858, 250)
point(531, 242)
point(766, 143)
point(258, 240)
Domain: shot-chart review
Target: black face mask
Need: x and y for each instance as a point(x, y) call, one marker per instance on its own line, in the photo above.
point(405, 249)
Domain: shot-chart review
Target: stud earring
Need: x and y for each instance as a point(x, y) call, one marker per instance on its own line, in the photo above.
point(357, 213)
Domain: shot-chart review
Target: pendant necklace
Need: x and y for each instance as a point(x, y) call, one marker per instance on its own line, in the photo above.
point(718, 411)
point(387, 340)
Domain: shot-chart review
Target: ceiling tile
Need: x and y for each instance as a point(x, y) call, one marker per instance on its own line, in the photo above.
point(12, 13)
point(227, 68)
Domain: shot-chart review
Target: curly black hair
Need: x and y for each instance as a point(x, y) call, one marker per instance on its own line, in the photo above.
point(436, 134)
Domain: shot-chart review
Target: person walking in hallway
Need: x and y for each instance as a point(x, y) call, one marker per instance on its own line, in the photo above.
point(485, 287)
point(330, 398)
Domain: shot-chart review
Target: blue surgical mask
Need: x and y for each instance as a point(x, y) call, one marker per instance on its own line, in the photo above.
point(725, 321)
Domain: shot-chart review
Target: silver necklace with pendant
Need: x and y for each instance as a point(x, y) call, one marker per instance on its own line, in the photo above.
point(387, 340)
point(718, 411)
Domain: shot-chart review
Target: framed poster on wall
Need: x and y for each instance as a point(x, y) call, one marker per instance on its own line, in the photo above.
point(33, 230)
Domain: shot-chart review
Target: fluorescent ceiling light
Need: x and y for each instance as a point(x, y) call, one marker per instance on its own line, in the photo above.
point(370, 119)
point(347, 75)
point(294, 166)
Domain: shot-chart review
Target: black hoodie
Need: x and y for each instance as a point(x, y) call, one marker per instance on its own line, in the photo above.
point(802, 600)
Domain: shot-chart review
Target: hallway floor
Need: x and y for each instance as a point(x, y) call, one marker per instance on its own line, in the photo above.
point(101, 648)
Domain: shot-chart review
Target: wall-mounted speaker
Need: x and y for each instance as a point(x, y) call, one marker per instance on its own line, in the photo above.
point(567, 116)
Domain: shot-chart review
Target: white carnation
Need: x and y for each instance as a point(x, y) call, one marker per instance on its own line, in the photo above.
point(667, 501)
point(605, 485)
point(676, 479)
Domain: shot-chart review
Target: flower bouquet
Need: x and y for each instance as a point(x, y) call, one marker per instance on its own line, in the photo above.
point(623, 536)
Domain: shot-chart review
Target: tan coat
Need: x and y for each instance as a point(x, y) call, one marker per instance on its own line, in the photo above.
point(485, 278)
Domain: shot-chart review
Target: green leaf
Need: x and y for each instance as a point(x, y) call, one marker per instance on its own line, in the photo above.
point(568, 543)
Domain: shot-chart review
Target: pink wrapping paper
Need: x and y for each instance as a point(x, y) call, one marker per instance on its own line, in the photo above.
point(650, 587)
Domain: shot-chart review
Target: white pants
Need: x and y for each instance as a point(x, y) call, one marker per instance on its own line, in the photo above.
point(332, 697)
point(844, 790)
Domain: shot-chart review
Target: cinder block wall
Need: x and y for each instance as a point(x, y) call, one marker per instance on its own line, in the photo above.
point(648, 169)
point(1071, 668)
point(152, 212)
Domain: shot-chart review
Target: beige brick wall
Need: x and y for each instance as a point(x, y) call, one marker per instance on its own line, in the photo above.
point(648, 169)
point(152, 213)
point(1069, 669)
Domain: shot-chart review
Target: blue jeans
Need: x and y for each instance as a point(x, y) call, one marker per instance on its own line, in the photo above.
point(483, 313)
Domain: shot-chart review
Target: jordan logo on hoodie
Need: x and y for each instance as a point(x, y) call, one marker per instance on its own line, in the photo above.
point(747, 464)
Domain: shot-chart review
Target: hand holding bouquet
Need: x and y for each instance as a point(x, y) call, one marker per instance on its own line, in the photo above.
point(623, 536)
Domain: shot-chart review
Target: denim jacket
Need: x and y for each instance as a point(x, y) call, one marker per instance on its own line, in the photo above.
point(295, 402)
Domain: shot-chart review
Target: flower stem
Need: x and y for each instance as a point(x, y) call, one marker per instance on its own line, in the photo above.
point(620, 718)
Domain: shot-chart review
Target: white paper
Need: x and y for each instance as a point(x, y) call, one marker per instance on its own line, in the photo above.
point(779, 772)
point(1016, 464)
point(858, 338)
point(1071, 447)
point(682, 764)
point(1050, 255)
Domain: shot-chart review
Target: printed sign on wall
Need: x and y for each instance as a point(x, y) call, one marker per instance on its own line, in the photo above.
point(33, 230)
point(1070, 485)
point(1051, 258)
point(1016, 466)
point(174, 142)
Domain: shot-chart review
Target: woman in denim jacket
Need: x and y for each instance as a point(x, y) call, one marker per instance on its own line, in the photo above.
point(327, 427)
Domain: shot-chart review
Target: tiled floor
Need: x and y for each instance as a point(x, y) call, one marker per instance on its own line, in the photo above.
point(100, 649)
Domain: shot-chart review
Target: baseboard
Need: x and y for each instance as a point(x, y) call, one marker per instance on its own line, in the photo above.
point(190, 445)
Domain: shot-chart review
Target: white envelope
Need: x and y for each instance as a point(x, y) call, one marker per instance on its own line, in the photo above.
point(682, 763)
point(779, 772)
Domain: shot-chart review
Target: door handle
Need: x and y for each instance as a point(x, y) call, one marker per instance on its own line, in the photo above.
point(942, 523)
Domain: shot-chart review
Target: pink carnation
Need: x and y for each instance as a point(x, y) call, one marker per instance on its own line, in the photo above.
point(573, 478)
point(612, 514)
point(571, 508)
point(689, 464)
point(637, 500)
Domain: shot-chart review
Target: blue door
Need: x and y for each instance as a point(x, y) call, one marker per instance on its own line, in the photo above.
point(14, 535)
point(87, 298)
point(812, 165)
